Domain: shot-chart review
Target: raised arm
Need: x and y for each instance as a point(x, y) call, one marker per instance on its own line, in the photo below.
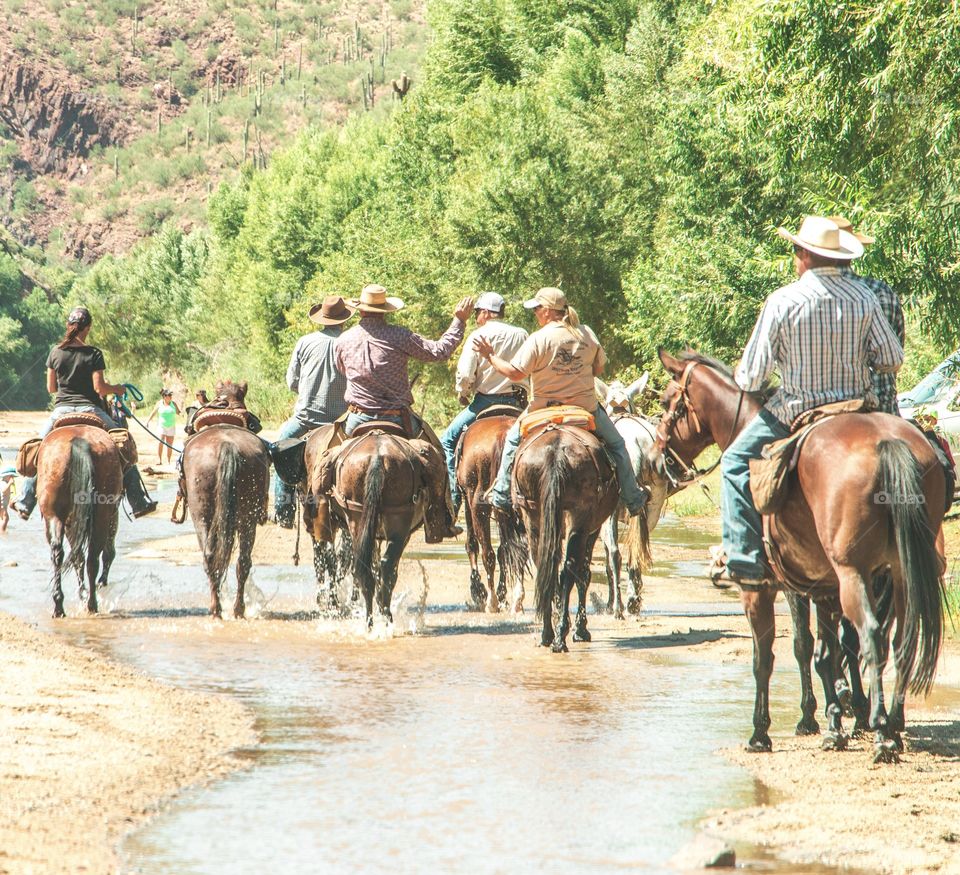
point(424, 350)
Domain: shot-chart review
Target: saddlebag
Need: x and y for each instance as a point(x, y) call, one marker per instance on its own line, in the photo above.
point(126, 447)
point(287, 458)
point(27, 457)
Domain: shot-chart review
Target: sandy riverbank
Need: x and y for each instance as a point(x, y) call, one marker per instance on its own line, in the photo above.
point(89, 748)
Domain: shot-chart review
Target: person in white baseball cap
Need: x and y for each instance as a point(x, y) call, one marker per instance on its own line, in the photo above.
point(479, 385)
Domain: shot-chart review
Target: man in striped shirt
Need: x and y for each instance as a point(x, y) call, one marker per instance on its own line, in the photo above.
point(826, 335)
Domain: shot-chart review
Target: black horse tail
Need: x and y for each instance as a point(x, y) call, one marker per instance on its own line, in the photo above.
point(79, 524)
point(222, 530)
point(364, 549)
point(556, 472)
point(514, 549)
point(901, 487)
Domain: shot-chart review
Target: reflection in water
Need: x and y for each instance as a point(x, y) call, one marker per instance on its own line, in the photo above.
point(461, 748)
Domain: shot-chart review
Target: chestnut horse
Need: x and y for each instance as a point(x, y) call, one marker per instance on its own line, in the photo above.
point(866, 500)
point(79, 487)
point(565, 488)
point(480, 450)
point(226, 472)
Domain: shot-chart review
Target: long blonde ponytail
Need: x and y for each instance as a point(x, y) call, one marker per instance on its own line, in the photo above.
point(572, 322)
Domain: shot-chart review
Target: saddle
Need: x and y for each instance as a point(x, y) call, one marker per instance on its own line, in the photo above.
point(559, 414)
point(208, 416)
point(384, 426)
point(500, 410)
point(770, 473)
point(29, 451)
point(90, 419)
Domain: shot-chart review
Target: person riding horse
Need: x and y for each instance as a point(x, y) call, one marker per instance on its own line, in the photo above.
point(477, 377)
point(373, 356)
point(320, 388)
point(827, 334)
point(561, 359)
point(75, 378)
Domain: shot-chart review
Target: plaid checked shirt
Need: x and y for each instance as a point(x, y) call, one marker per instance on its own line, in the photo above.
point(826, 333)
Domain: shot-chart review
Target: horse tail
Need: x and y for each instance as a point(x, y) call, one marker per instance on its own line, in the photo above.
point(222, 530)
point(901, 483)
point(638, 542)
point(556, 472)
point(363, 550)
point(513, 538)
point(79, 524)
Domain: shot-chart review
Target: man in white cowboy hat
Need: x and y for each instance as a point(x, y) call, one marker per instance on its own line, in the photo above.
point(320, 388)
point(884, 385)
point(373, 356)
point(826, 333)
point(561, 359)
point(476, 377)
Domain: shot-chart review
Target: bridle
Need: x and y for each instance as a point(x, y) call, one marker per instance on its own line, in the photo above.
point(681, 406)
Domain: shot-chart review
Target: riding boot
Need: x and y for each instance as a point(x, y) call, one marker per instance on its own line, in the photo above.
point(25, 504)
point(438, 516)
point(136, 492)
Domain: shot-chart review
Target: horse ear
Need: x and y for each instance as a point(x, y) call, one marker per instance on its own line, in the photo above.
point(242, 390)
point(673, 365)
point(218, 388)
point(601, 390)
point(637, 386)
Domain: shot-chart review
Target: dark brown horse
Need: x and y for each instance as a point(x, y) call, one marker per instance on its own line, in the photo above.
point(866, 500)
point(79, 487)
point(377, 487)
point(481, 449)
point(226, 472)
point(565, 488)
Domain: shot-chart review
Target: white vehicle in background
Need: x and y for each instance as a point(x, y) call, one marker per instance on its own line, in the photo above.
point(939, 393)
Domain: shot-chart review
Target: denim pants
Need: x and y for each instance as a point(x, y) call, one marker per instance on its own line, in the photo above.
point(463, 420)
point(28, 497)
point(742, 526)
point(630, 493)
point(283, 495)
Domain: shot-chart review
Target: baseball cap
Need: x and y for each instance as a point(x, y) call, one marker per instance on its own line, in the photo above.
point(79, 316)
point(552, 299)
point(490, 301)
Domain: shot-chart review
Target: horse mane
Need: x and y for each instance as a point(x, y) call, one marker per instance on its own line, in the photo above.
point(762, 394)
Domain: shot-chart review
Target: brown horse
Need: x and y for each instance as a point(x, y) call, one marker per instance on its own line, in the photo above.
point(481, 449)
point(226, 472)
point(79, 487)
point(377, 485)
point(865, 501)
point(565, 488)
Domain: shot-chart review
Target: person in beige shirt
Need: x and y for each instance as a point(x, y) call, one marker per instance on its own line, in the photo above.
point(476, 377)
point(561, 359)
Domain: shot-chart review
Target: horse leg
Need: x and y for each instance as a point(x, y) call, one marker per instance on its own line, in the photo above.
point(611, 549)
point(859, 704)
point(803, 651)
point(109, 550)
point(758, 608)
point(568, 577)
point(389, 567)
point(246, 533)
point(472, 546)
point(93, 569)
point(489, 563)
point(635, 600)
point(897, 724)
point(827, 660)
point(55, 539)
point(583, 581)
point(857, 602)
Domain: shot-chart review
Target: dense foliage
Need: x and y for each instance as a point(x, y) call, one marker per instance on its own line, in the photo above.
point(639, 154)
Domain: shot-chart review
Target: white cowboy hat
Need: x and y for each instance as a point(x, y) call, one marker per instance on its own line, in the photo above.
point(845, 224)
point(374, 299)
point(821, 236)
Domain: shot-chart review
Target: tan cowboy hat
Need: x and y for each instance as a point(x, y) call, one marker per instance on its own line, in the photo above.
point(846, 225)
point(552, 299)
point(333, 311)
point(821, 236)
point(374, 299)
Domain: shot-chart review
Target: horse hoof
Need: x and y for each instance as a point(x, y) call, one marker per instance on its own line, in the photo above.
point(518, 607)
point(582, 635)
point(808, 726)
point(834, 741)
point(634, 605)
point(760, 744)
point(560, 647)
point(886, 752)
point(618, 615)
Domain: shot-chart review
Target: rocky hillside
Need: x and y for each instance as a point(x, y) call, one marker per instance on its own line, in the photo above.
point(119, 115)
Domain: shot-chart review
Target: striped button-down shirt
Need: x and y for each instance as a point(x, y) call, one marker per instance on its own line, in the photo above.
point(316, 380)
point(885, 385)
point(373, 357)
point(826, 333)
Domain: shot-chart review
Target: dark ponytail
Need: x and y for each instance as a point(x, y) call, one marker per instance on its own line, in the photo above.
point(78, 319)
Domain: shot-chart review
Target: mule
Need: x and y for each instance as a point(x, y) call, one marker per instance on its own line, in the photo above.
point(226, 472)
point(866, 499)
point(480, 450)
point(79, 487)
point(639, 435)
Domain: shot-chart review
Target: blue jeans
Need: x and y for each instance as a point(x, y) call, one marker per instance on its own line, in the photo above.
point(630, 492)
point(283, 495)
point(463, 420)
point(28, 498)
point(742, 526)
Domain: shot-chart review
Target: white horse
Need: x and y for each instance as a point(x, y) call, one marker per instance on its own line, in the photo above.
point(639, 434)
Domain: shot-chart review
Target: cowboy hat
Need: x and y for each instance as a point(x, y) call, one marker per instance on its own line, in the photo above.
point(822, 237)
point(333, 311)
point(846, 225)
point(552, 299)
point(374, 299)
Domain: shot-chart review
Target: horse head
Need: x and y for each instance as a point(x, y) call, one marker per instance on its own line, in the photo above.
point(230, 393)
point(619, 399)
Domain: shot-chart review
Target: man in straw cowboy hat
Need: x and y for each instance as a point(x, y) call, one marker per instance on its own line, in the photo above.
point(826, 333)
point(476, 377)
point(561, 359)
point(373, 356)
point(320, 388)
